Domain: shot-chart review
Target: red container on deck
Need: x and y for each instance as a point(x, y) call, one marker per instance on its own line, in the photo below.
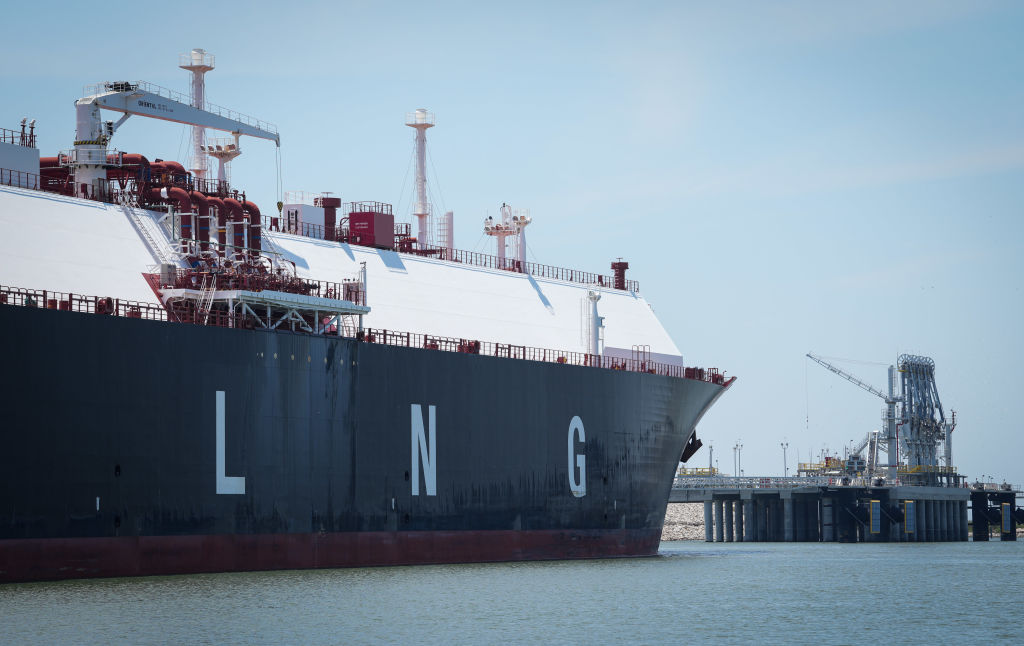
point(372, 229)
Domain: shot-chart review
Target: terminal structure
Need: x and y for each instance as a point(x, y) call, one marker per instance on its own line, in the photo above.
point(913, 496)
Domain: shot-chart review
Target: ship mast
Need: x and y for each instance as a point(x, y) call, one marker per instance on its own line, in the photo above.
point(199, 62)
point(421, 120)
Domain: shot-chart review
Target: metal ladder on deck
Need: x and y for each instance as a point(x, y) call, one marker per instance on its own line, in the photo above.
point(157, 250)
point(205, 302)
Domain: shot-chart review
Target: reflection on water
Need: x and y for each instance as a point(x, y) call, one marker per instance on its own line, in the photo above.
point(703, 592)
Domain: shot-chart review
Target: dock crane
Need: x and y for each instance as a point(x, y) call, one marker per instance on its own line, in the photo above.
point(89, 156)
point(890, 442)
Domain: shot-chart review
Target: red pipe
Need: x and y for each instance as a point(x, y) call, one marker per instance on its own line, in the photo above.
point(222, 214)
point(131, 164)
point(255, 228)
point(184, 205)
point(235, 207)
point(175, 173)
point(202, 207)
point(129, 159)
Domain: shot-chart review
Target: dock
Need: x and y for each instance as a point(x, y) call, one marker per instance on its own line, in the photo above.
point(846, 510)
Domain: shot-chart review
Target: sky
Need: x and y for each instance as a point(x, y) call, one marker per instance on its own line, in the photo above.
point(783, 178)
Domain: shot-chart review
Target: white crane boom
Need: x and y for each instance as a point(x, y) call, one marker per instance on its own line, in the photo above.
point(148, 100)
point(89, 156)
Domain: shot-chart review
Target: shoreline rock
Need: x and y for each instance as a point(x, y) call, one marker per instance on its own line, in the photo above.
point(684, 522)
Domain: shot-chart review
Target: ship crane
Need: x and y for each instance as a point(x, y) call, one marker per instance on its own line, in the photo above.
point(92, 134)
point(889, 416)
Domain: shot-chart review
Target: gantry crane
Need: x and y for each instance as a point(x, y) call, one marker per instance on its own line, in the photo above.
point(89, 157)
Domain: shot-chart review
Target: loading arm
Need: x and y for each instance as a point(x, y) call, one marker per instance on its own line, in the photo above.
point(847, 376)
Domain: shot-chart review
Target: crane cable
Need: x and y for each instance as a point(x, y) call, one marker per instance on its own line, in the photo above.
point(280, 196)
point(807, 401)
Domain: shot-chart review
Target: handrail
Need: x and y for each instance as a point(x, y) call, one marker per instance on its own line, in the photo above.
point(19, 178)
point(134, 309)
point(512, 351)
point(68, 302)
point(349, 290)
point(18, 137)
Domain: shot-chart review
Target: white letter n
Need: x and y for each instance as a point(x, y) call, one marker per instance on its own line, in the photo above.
point(423, 450)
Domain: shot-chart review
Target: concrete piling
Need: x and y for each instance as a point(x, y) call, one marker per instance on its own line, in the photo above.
point(708, 524)
point(738, 510)
point(728, 521)
point(719, 524)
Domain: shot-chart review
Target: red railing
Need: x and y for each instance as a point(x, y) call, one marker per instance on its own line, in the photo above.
point(529, 353)
point(18, 178)
point(69, 302)
point(134, 309)
point(316, 231)
point(18, 138)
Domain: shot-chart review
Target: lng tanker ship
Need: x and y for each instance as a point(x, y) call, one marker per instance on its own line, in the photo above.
point(191, 385)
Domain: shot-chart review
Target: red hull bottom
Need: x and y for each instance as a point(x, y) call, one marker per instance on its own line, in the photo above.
point(74, 558)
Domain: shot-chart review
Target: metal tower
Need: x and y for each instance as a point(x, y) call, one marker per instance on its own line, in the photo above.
point(223, 149)
point(421, 120)
point(512, 223)
point(924, 422)
point(199, 62)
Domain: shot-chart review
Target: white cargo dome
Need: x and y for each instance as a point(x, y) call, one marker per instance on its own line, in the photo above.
point(420, 294)
point(50, 241)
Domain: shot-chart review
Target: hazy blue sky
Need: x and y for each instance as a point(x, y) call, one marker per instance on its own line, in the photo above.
point(846, 178)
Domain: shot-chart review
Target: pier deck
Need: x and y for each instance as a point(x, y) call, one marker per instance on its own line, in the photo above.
point(845, 510)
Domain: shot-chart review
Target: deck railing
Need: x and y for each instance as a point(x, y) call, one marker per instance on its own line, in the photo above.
point(18, 138)
point(349, 290)
point(68, 302)
point(19, 178)
point(476, 259)
point(512, 351)
point(64, 301)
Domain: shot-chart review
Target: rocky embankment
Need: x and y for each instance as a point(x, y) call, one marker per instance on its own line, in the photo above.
point(684, 522)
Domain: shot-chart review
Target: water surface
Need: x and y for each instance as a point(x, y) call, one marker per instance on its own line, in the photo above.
point(733, 593)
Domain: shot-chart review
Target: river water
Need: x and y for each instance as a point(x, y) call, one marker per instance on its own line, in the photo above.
point(732, 593)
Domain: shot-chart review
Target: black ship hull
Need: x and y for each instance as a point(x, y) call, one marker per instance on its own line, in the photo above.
point(138, 447)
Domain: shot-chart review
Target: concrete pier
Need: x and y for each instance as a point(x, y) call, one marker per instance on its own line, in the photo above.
point(834, 513)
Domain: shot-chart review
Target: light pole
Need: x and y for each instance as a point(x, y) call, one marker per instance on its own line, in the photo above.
point(785, 467)
point(739, 459)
